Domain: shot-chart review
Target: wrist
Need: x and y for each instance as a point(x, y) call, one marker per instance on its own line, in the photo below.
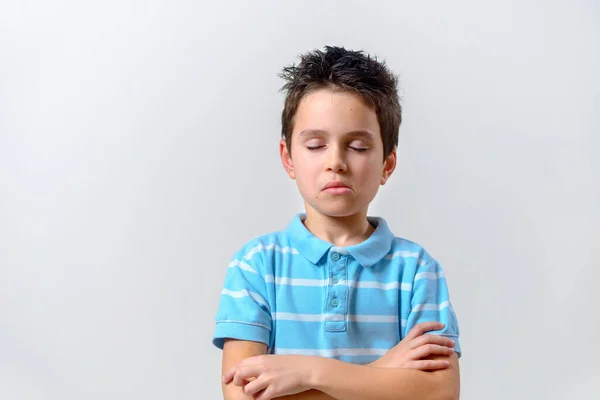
point(381, 362)
point(318, 371)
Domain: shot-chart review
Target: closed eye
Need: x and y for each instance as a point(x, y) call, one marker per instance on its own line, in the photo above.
point(359, 149)
point(314, 147)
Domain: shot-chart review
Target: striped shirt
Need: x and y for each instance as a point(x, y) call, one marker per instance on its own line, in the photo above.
point(301, 295)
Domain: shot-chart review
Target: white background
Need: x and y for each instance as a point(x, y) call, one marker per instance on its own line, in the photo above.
point(138, 152)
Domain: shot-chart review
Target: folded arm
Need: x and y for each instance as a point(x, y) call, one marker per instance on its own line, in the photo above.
point(235, 351)
point(365, 382)
point(328, 379)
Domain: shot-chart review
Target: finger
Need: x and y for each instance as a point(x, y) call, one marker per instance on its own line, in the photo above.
point(238, 381)
point(428, 365)
point(244, 373)
point(255, 386)
point(433, 339)
point(423, 327)
point(266, 394)
point(228, 376)
point(430, 349)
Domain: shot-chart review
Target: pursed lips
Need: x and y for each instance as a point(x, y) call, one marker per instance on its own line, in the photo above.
point(336, 185)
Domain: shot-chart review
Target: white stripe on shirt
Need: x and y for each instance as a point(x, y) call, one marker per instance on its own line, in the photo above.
point(272, 246)
point(325, 282)
point(286, 316)
point(333, 352)
point(429, 275)
point(430, 307)
point(237, 294)
point(405, 253)
point(242, 265)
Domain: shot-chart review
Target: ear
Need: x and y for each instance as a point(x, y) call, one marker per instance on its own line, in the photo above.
point(389, 165)
point(286, 159)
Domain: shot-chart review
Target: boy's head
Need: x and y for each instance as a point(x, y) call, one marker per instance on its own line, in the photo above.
point(344, 70)
point(340, 129)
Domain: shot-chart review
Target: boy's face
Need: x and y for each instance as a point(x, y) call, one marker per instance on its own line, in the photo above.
point(336, 142)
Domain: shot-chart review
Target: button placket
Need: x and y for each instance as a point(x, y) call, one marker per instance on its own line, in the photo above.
point(336, 307)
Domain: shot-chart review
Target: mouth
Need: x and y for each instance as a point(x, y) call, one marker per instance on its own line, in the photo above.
point(336, 187)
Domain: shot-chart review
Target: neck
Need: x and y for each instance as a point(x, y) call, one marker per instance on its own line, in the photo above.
point(341, 231)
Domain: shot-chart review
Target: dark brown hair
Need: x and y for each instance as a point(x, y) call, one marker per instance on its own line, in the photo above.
point(347, 70)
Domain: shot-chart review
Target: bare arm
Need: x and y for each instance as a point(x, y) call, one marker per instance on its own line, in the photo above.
point(340, 380)
point(334, 379)
point(235, 351)
point(356, 382)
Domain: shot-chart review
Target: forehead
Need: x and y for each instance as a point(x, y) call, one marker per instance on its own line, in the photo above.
point(335, 113)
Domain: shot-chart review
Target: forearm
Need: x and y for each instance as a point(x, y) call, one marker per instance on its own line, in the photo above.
point(365, 392)
point(308, 395)
point(319, 378)
point(346, 381)
point(232, 392)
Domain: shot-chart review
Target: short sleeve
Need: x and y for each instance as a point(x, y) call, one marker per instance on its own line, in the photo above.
point(431, 302)
point(244, 312)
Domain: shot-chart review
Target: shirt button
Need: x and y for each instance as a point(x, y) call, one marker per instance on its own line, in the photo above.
point(335, 279)
point(335, 256)
point(335, 302)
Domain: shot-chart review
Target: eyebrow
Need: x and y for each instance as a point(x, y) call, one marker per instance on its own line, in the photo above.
point(359, 133)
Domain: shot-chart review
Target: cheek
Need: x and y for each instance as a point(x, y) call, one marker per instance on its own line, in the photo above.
point(370, 169)
point(306, 172)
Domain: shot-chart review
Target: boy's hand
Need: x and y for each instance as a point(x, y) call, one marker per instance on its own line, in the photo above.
point(417, 345)
point(269, 376)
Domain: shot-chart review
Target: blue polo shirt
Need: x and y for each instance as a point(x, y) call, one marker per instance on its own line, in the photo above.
point(299, 294)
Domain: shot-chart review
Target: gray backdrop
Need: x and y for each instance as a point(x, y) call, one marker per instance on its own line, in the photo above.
point(138, 151)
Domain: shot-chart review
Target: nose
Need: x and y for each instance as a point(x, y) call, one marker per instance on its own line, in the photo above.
point(335, 160)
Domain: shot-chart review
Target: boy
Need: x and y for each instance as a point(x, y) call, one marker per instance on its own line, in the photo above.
point(336, 306)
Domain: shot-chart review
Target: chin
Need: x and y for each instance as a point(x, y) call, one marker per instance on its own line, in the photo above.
point(335, 210)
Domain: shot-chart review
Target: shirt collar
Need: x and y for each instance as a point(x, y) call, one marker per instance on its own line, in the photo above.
point(367, 253)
